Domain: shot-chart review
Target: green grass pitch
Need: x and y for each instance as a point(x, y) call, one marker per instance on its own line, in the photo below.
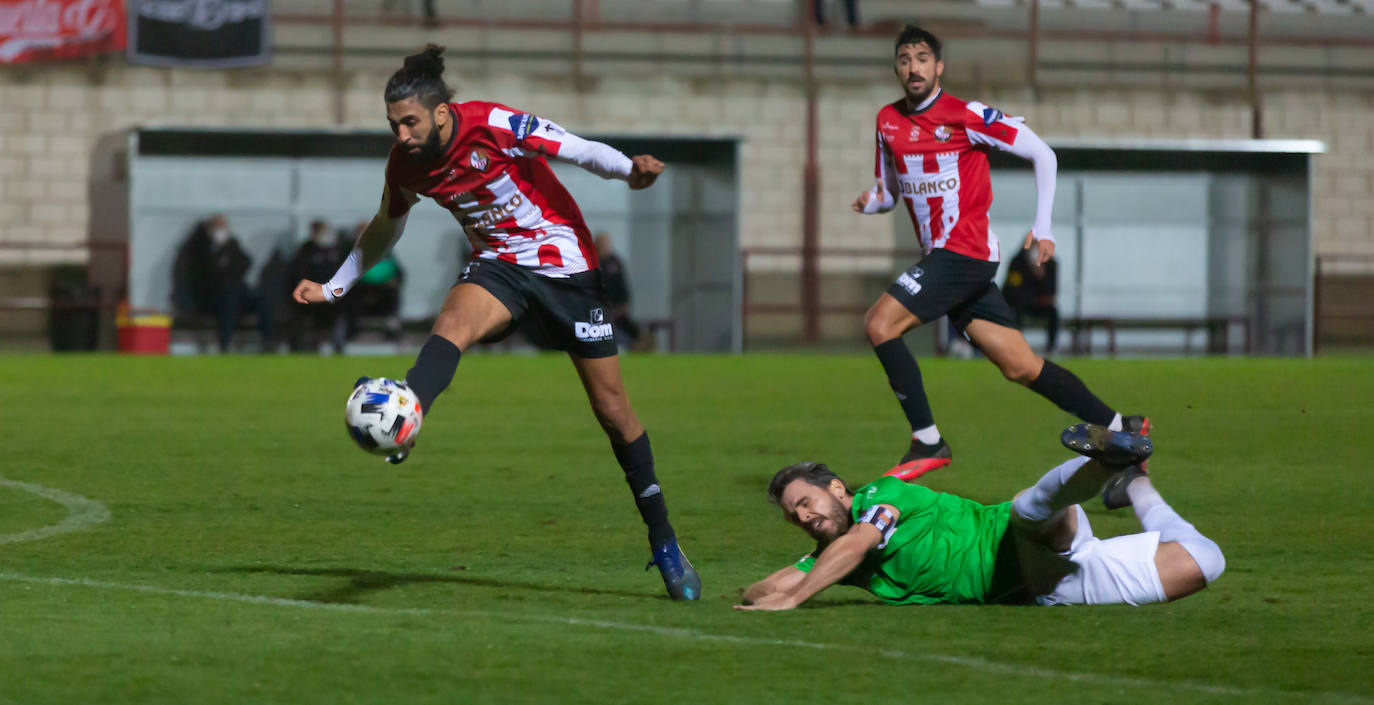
point(253, 555)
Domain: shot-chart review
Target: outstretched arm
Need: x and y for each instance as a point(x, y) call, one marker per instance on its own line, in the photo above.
point(373, 242)
point(779, 582)
point(838, 559)
point(541, 136)
point(1011, 135)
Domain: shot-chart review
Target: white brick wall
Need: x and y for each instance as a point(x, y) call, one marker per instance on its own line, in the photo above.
point(50, 117)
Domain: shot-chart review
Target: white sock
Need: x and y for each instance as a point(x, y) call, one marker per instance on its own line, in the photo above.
point(1156, 515)
point(1115, 425)
point(1143, 496)
point(928, 435)
point(1072, 483)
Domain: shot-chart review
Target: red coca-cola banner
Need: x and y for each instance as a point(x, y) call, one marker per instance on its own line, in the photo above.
point(47, 30)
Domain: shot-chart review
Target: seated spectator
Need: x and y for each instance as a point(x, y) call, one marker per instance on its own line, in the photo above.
point(1030, 289)
point(209, 280)
point(317, 259)
point(617, 285)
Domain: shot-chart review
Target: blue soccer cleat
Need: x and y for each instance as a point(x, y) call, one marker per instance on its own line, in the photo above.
point(679, 577)
point(361, 381)
point(1120, 448)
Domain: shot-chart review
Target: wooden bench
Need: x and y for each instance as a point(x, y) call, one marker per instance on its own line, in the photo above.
point(1218, 330)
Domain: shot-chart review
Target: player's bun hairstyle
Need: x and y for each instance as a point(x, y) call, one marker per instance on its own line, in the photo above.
point(422, 77)
point(915, 34)
point(813, 473)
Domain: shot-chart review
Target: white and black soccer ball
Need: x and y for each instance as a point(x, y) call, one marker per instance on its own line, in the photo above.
point(383, 416)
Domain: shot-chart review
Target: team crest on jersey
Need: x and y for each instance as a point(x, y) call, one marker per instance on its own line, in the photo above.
point(479, 159)
point(942, 133)
point(991, 115)
point(523, 125)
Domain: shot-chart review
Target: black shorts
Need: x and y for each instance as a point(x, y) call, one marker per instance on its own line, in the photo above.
point(568, 314)
point(948, 283)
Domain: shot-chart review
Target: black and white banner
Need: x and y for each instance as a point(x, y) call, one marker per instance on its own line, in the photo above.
point(199, 33)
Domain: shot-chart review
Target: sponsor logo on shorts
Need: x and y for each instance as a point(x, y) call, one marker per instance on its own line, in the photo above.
point(909, 283)
point(942, 133)
point(598, 329)
point(523, 125)
point(479, 159)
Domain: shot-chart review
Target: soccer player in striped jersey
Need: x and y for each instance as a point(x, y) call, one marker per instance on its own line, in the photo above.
point(932, 153)
point(535, 258)
point(909, 545)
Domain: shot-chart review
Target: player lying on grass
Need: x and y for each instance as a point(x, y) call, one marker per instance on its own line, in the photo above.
point(910, 545)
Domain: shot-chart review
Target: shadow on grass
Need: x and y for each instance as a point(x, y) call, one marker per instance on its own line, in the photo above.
point(361, 582)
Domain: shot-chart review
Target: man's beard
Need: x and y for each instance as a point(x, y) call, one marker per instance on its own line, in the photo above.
point(917, 98)
point(838, 519)
point(431, 149)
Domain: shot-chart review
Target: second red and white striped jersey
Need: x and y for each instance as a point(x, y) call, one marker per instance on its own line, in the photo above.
point(495, 161)
point(935, 157)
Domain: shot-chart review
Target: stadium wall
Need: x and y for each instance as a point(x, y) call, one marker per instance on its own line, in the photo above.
point(50, 117)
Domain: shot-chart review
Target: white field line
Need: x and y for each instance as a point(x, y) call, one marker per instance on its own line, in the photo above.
point(81, 512)
point(1016, 670)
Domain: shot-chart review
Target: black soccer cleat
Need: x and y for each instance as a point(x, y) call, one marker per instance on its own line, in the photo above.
point(679, 577)
point(399, 457)
point(921, 459)
point(1108, 447)
point(1114, 495)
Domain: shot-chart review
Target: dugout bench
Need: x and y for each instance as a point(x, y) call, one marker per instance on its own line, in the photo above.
point(1217, 328)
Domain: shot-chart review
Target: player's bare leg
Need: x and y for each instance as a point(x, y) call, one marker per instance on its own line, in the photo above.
point(606, 391)
point(885, 324)
point(1008, 349)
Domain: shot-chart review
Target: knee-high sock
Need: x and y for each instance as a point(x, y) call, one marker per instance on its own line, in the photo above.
point(637, 460)
point(433, 370)
point(1074, 482)
point(1156, 515)
point(904, 376)
point(1068, 392)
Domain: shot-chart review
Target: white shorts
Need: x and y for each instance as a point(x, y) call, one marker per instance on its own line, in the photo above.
point(1111, 572)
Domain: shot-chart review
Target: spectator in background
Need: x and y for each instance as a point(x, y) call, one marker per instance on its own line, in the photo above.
point(1030, 289)
point(209, 280)
point(617, 286)
point(378, 293)
point(851, 11)
point(318, 256)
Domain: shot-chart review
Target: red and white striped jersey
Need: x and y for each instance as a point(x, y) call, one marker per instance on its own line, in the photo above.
point(496, 160)
point(936, 158)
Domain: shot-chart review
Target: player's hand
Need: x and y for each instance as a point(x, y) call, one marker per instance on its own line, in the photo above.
point(1044, 248)
point(861, 202)
point(308, 292)
point(645, 171)
point(775, 602)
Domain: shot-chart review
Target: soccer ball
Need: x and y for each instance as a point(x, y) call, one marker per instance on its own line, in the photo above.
point(383, 416)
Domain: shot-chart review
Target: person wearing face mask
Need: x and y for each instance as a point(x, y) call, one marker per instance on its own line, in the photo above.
point(318, 256)
point(209, 280)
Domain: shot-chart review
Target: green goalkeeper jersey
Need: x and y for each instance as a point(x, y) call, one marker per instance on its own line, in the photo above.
point(944, 548)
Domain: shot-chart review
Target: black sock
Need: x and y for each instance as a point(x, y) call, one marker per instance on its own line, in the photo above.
point(1069, 393)
point(433, 370)
point(638, 462)
point(904, 376)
